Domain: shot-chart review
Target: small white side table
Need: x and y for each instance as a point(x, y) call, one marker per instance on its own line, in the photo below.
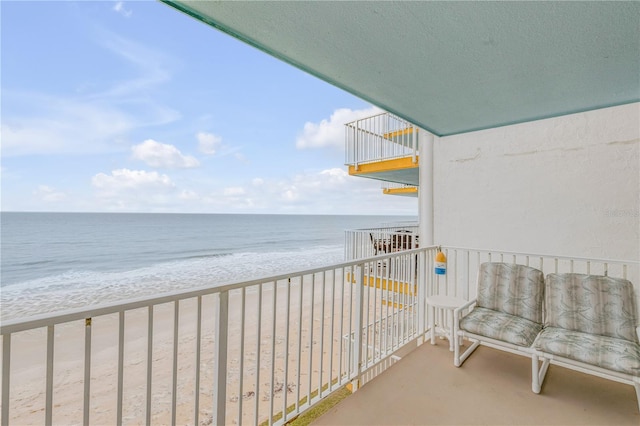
point(444, 304)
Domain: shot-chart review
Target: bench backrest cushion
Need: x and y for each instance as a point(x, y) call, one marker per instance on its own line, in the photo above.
point(512, 289)
point(591, 304)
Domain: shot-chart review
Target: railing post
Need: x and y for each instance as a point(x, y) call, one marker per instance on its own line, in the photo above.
point(220, 365)
point(87, 372)
point(48, 418)
point(6, 375)
point(415, 144)
point(422, 295)
point(357, 344)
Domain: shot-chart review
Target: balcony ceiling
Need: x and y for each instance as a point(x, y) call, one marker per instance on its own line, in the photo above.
point(451, 67)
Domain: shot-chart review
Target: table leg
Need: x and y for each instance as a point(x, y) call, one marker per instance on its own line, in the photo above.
point(451, 330)
point(432, 322)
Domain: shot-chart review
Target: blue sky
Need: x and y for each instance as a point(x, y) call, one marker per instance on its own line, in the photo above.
point(135, 107)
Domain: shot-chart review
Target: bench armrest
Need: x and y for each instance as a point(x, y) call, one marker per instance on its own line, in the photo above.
point(456, 312)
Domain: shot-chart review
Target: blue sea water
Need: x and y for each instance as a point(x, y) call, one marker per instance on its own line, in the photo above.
point(58, 261)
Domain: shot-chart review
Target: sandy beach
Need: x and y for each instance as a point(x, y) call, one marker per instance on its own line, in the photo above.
point(29, 359)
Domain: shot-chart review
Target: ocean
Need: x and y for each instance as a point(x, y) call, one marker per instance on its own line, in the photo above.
point(58, 261)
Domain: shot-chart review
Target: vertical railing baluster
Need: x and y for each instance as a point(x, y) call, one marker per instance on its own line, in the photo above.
point(355, 383)
point(286, 352)
point(367, 293)
point(87, 371)
point(353, 282)
point(340, 336)
point(324, 289)
point(48, 418)
point(6, 377)
point(120, 367)
point(174, 385)
point(220, 365)
point(331, 335)
point(196, 414)
point(149, 361)
point(391, 298)
point(273, 350)
point(243, 302)
point(298, 361)
point(258, 356)
point(376, 326)
point(468, 279)
point(310, 375)
point(421, 296)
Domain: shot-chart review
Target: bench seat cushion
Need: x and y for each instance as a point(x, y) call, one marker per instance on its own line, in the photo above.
point(603, 351)
point(500, 326)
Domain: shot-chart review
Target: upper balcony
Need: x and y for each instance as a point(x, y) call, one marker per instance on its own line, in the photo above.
point(383, 147)
point(400, 189)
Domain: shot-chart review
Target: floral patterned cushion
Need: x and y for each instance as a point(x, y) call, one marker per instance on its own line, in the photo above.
point(500, 326)
point(602, 351)
point(512, 289)
point(591, 304)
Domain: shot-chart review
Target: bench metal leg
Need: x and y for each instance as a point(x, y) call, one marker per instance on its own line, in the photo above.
point(458, 359)
point(538, 372)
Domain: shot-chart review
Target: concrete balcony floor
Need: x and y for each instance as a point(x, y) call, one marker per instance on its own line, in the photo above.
point(491, 388)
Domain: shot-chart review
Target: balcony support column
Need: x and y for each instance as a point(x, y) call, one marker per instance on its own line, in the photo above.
point(425, 217)
point(425, 189)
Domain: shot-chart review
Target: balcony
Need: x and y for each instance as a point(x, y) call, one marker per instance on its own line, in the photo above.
point(491, 388)
point(383, 147)
point(363, 243)
point(266, 350)
point(399, 189)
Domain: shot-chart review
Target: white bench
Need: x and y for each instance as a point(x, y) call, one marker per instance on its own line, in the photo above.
point(590, 326)
point(587, 323)
point(507, 313)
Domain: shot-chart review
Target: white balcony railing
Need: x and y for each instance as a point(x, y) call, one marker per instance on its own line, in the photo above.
point(246, 353)
point(380, 137)
point(363, 243)
point(242, 353)
point(394, 185)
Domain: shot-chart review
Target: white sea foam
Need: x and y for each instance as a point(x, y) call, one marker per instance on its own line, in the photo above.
point(75, 289)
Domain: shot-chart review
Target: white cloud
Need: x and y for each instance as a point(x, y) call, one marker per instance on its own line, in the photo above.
point(161, 155)
point(119, 7)
point(234, 191)
point(49, 194)
point(131, 181)
point(187, 194)
point(329, 191)
point(208, 143)
point(331, 132)
point(89, 122)
point(58, 125)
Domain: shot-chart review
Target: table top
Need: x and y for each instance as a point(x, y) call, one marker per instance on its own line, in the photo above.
point(442, 301)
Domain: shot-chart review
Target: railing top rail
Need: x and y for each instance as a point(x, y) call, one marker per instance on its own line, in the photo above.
point(350, 123)
point(43, 320)
point(585, 259)
point(385, 228)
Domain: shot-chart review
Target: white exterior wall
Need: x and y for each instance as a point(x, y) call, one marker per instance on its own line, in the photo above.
point(568, 185)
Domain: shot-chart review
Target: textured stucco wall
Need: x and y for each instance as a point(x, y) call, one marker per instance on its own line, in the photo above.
point(566, 186)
